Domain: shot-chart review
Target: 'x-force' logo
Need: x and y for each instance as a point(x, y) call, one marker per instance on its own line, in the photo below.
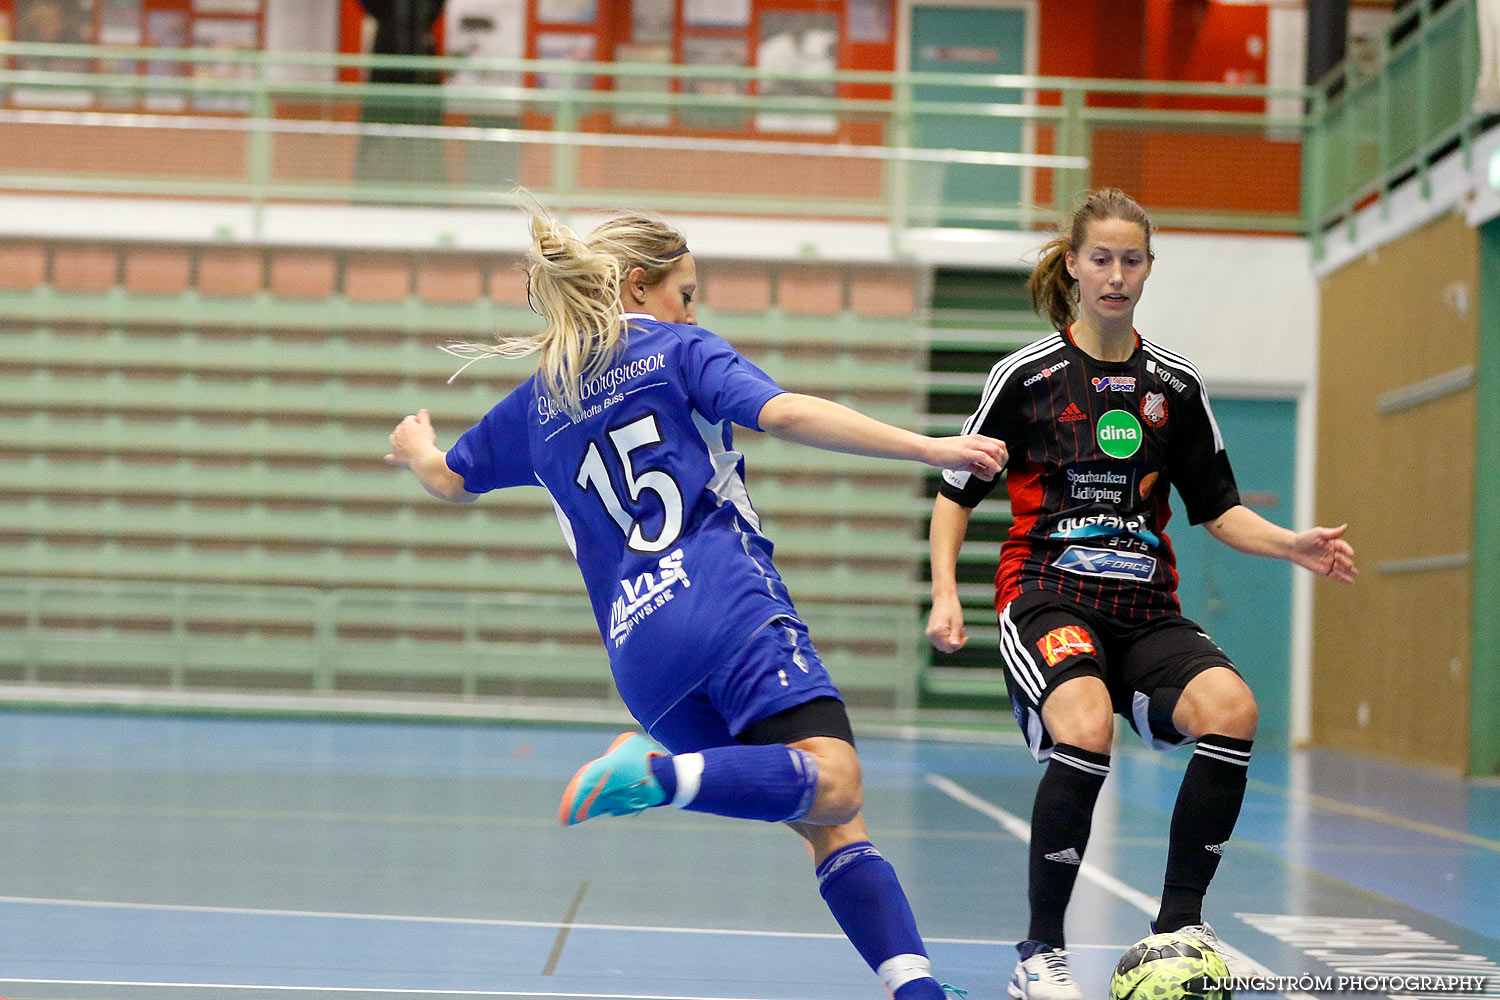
point(1086, 561)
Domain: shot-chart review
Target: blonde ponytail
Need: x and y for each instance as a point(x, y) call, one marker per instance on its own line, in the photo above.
point(575, 285)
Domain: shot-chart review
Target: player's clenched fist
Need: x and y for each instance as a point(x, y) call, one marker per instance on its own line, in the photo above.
point(412, 436)
point(973, 453)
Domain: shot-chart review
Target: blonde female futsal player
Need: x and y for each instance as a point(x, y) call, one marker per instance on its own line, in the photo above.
point(627, 424)
point(1099, 423)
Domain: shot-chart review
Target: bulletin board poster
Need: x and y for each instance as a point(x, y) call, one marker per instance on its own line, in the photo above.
point(653, 115)
point(167, 29)
point(713, 51)
point(480, 30)
point(794, 42)
point(652, 21)
point(119, 24)
point(715, 13)
point(222, 25)
point(869, 21)
point(223, 34)
point(242, 7)
point(566, 11)
point(65, 22)
point(569, 46)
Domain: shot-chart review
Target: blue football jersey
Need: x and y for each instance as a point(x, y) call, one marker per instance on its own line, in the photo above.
point(651, 497)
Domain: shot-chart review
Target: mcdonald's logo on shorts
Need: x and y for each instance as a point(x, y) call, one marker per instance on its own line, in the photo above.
point(1063, 642)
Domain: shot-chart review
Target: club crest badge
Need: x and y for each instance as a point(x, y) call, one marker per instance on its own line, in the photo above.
point(1154, 409)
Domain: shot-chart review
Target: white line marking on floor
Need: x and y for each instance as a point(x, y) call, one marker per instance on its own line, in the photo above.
point(1148, 905)
point(477, 921)
point(367, 989)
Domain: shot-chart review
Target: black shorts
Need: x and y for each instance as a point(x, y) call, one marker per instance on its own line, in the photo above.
point(819, 717)
point(1046, 639)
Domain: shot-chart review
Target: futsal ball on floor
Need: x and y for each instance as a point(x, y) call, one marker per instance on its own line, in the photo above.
point(1170, 967)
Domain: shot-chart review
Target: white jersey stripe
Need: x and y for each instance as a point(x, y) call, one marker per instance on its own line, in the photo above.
point(726, 482)
point(994, 382)
point(562, 520)
point(1178, 361)
point(1002, 370)
point(1172, 359)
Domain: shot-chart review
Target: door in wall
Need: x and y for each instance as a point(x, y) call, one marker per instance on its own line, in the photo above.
point(958, 38)
point(1245, 602)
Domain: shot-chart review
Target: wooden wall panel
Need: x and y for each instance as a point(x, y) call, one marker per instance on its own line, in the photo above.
point(1391, 653)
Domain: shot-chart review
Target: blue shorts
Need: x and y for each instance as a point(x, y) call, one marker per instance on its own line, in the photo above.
point(776, 669)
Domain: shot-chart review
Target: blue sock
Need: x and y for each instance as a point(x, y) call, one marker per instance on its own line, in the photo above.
point(775, 783)
point(866, 898)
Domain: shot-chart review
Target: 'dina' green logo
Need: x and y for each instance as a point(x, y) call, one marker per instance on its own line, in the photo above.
point(1119, 434)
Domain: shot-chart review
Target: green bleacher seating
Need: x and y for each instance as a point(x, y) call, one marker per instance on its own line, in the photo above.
point(193, 497)
point(977, 318)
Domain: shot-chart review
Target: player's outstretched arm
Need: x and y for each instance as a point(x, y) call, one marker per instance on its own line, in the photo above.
point(823, 423)
point(414, 447)
point(945, 537)
point(1321, 550)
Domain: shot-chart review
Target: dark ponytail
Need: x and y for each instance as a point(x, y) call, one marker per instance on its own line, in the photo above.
point(1051, 285)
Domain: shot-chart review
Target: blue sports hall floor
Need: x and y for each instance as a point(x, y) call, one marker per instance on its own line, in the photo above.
point(187, 856)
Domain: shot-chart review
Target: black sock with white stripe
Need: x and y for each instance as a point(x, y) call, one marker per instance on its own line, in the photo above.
point(1208, 804)
point(1060, 822)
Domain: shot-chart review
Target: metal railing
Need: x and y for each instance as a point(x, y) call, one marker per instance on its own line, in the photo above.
point(293, 127)
point(1369, 132)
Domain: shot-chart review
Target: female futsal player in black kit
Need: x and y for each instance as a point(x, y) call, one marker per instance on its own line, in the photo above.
point(1099, 422)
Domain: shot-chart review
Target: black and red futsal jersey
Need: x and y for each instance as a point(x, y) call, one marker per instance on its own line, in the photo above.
point(1094, 446)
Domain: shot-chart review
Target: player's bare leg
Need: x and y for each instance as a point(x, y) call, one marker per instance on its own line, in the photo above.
point(855, 880)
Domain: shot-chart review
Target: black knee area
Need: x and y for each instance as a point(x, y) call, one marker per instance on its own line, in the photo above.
point(823, 716)
point(1159, 714)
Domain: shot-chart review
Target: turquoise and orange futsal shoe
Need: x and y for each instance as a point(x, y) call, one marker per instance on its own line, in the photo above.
point(618, 784)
